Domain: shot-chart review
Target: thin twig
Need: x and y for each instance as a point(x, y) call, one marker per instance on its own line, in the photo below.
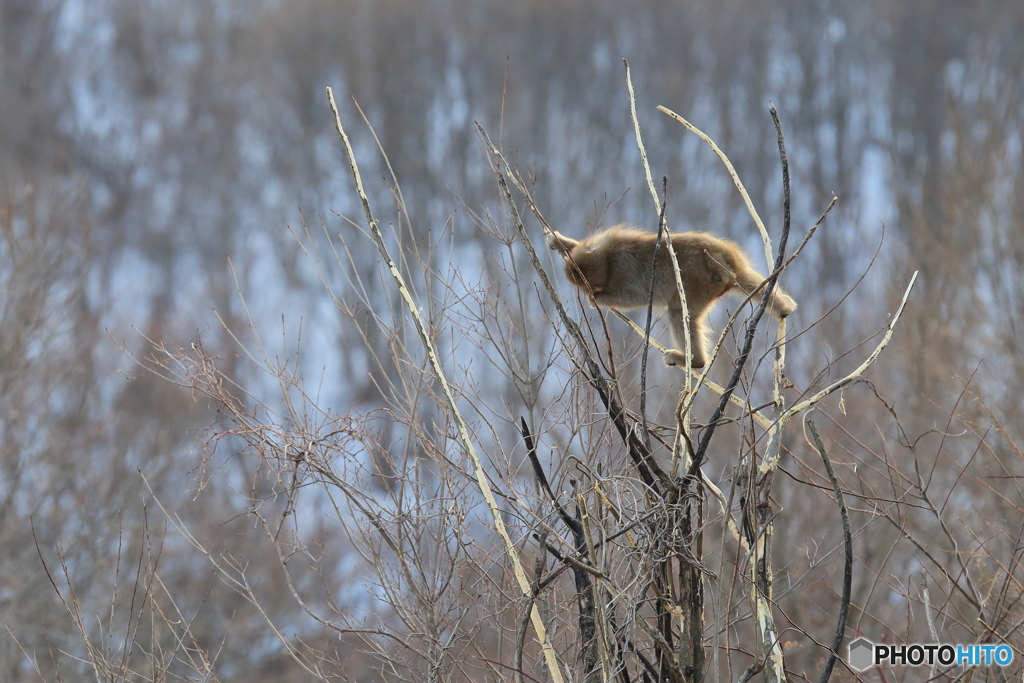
point(639, 141)
point(650, 314)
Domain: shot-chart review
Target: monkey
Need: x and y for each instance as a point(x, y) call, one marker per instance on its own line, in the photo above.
point(614, 265)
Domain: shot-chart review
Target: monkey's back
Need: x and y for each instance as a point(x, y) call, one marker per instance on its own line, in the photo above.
point(627, 254)
point(705, 262)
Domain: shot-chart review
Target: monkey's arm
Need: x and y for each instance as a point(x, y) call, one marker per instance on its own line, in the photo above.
point(780, 305)
point(560, 242)
point(733, 266)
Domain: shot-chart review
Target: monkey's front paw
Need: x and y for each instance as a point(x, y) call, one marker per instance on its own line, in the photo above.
point(554, 242)
point(784, 305)
point(677, 359)
point(559, 242)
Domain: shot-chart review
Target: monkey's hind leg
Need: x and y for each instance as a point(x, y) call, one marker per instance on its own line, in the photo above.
point(698, 339)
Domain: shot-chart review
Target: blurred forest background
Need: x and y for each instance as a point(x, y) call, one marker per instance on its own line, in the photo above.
point(157, 160)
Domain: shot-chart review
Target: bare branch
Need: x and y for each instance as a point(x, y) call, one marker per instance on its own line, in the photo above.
point(769, 259)
point(463, 431)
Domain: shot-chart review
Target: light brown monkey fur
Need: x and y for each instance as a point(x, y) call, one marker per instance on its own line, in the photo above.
point(615, 266)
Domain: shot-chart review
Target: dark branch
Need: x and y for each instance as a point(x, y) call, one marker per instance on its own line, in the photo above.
point(755, 319)
point(531, 453)
point(844, 607)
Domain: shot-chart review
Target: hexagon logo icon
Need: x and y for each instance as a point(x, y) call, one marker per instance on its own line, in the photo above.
point(861, 651)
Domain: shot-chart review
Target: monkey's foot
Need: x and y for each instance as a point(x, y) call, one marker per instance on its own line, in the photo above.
point(677, 359)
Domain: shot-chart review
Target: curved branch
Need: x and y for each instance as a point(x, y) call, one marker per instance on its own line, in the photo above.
point(856, 374)
point(844, 606)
